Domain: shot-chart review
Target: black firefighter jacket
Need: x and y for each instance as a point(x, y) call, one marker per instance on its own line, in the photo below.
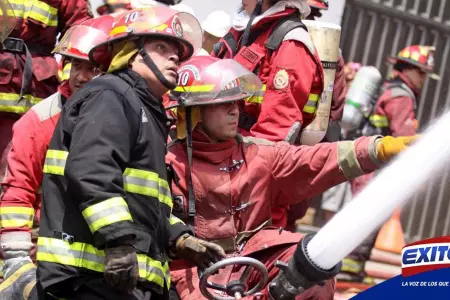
point(105, 178)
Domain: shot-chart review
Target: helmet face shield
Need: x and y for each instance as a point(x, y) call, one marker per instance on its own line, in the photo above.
point(222, 81)
point(7, 19)
point(79, 40)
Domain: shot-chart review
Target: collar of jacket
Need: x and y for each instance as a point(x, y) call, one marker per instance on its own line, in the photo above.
point(203, 149)
point(64, 89)
point(402, 77)
point(144, 93)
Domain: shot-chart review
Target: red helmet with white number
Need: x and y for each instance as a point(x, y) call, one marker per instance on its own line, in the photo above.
point(80, 39)
point(419, 56)
point(158, 22)
point(205, 80)
point(320, 4)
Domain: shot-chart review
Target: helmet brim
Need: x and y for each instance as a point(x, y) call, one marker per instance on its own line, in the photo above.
point(188, 48)
point(214, 102)
point(395, 59)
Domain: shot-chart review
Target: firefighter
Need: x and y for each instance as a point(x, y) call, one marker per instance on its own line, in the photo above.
point(394, 114)
point(28, 71)
point(106, 228)
point(114, 7)
point(291, 87)
point(227, 184)
point(395, 110)
point(21, 197)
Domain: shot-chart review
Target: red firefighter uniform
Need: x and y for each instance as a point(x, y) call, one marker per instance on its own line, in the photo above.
point(292, 75)
point(395, 114)
point(233, 180)
point(395, 111)
point(21, 197)
point(38, 24)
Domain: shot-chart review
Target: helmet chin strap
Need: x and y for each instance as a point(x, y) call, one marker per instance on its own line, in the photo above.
point(256, 12)
point(152, 66)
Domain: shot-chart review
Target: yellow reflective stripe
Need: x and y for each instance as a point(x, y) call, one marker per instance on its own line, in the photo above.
point(65, 73)
point(15, 216)
point(9, 102)
point(106, 213)
point(86, 256)
point(195, 88)
point(174, 220)
point(55, 162)
point(147, 183)
point(258, 97)
point(58, 154)
point(16, 275)
point(37, 10)
point(311, 105)
point(379, 121)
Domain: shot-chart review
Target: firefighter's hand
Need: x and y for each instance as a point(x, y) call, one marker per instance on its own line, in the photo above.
point(389, 146)
point(198, 251)
point(121, 267)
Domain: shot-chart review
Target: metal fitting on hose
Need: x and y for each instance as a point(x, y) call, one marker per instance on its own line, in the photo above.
point(299, 274)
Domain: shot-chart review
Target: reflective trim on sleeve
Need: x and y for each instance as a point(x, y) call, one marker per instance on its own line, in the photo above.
point(106, 213)
point(16, 216)
point(379, 121)
point(36, 10)
point(147, 183)
point(347, 160)
point(311, 105)
point(174, 220)
point(55, 162)
point(81, 255)
point(9, 102)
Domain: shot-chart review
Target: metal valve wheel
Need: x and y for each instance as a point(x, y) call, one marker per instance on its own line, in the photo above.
point(236, 289)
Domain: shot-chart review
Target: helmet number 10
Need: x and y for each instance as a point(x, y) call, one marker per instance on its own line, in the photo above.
point(131, 17)
point(184, 79)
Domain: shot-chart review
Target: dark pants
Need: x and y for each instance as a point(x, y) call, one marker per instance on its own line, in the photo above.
point(95, 289)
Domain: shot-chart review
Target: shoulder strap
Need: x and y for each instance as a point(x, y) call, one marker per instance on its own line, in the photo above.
point(229, 40)
point(281, 29)
point(400, 89)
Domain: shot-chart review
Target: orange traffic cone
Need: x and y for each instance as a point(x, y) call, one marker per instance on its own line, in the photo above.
point(391, 237)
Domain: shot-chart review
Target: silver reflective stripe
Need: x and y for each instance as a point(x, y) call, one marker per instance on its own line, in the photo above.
point(55, 162)
point(311, 103)
point(24, 102)
point(32, 10)
point(151, 270)
point(114, 210)
point(16, 216)
point(164, 191)
point(141, 182)
point(66, 252)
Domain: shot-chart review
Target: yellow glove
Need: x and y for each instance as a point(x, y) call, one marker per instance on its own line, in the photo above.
point(390, 146)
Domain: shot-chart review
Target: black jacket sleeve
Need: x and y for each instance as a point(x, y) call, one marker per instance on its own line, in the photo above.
point(100, 146)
